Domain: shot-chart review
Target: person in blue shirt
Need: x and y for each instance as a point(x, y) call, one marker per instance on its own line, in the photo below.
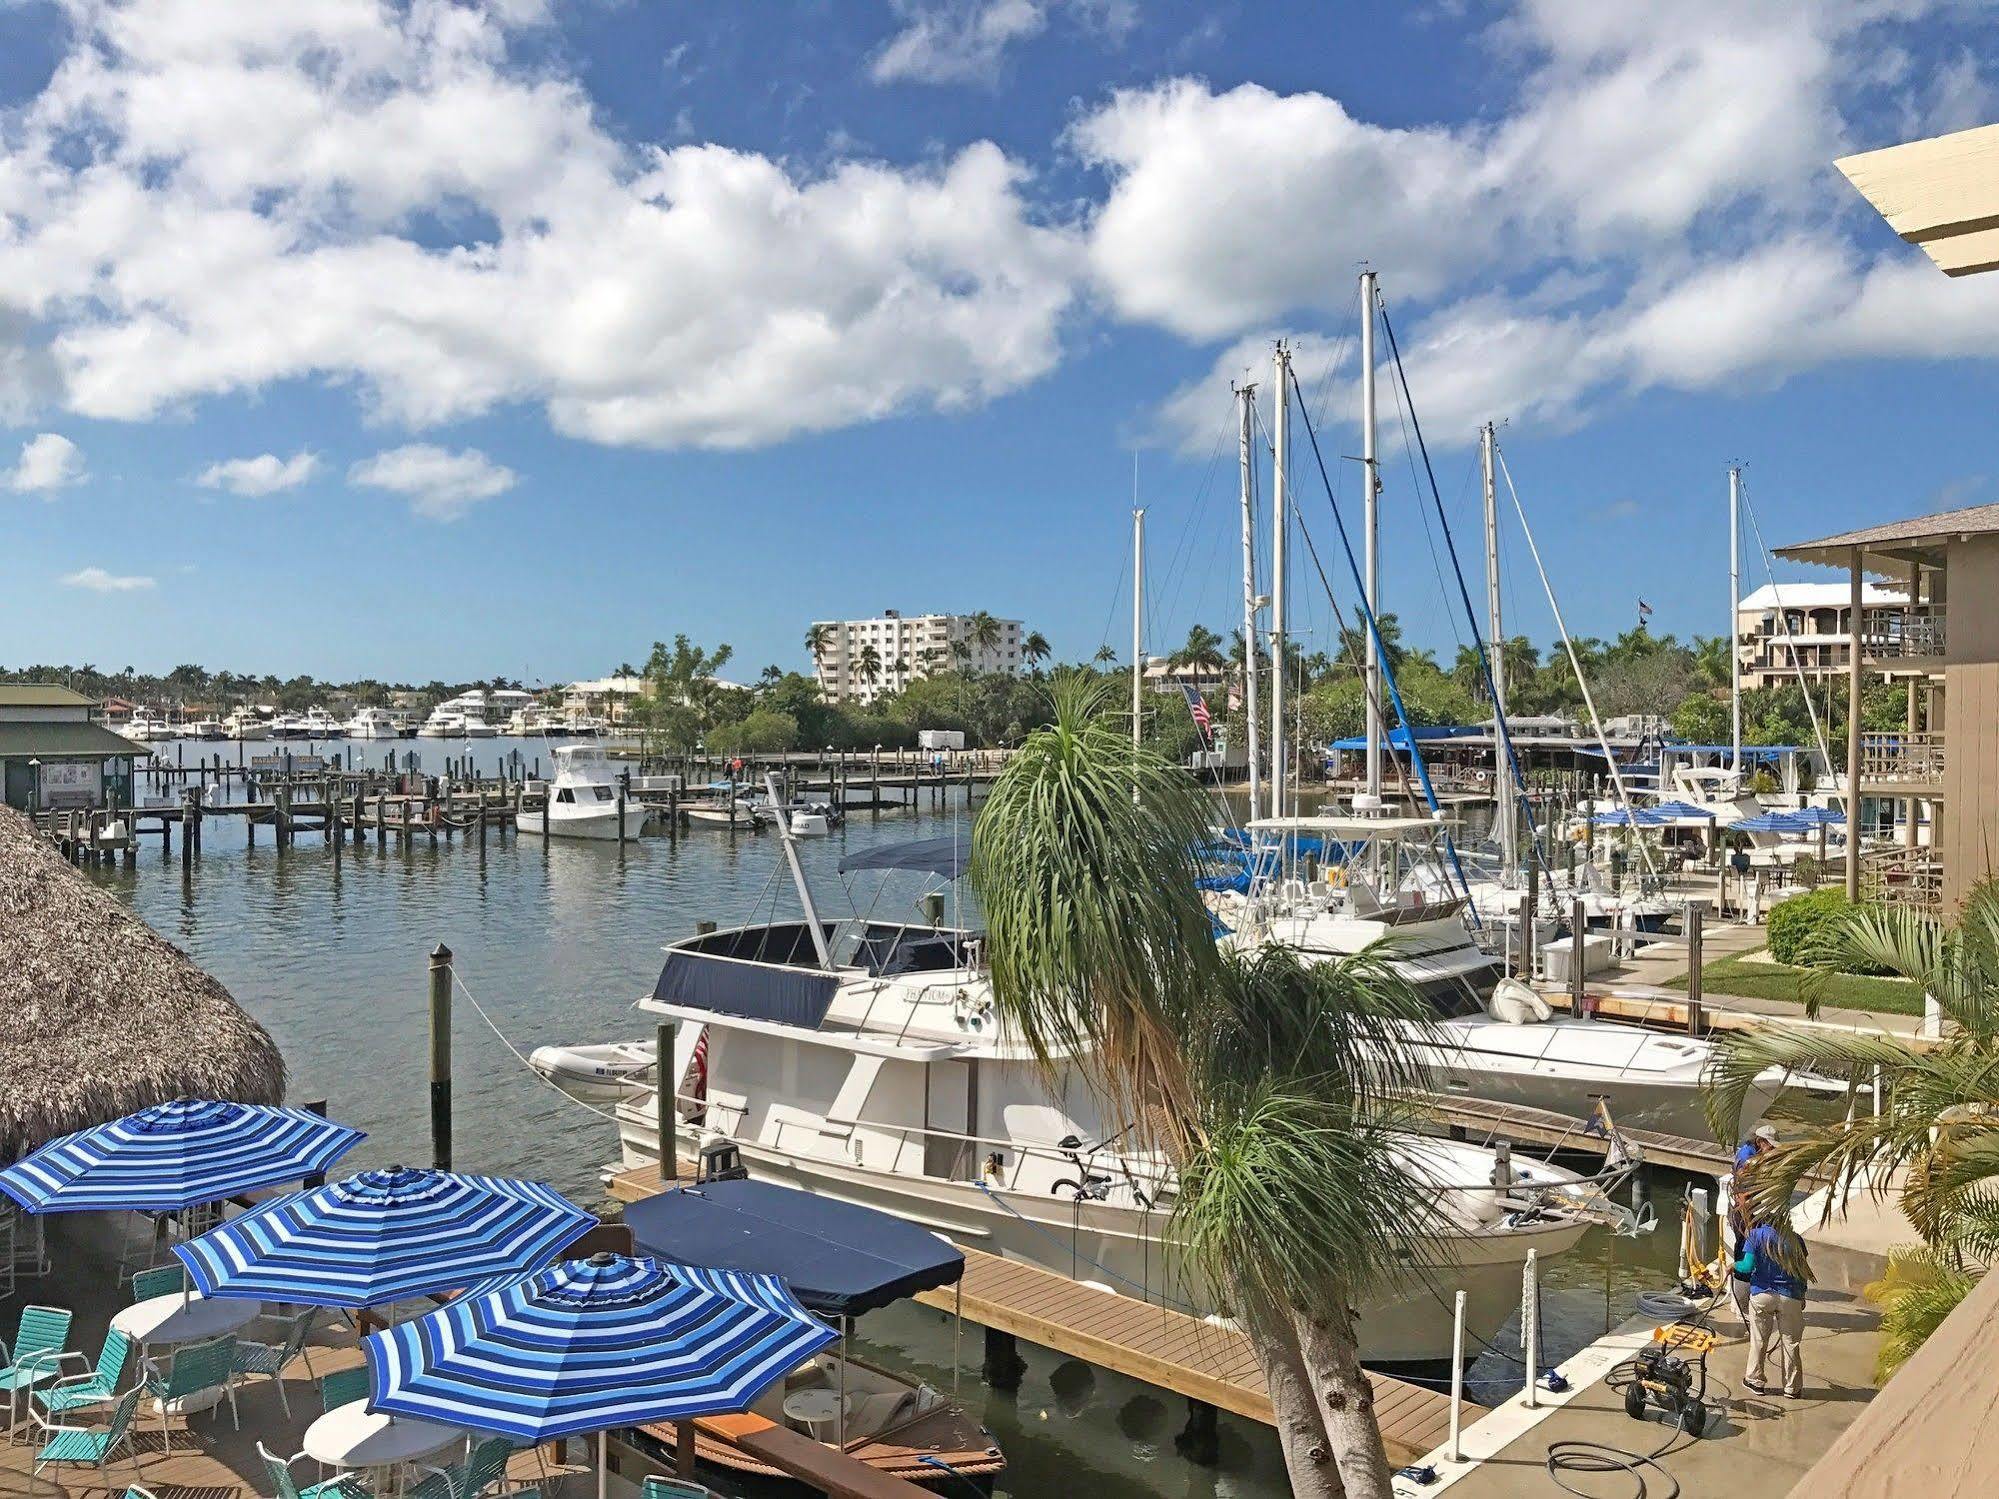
point(1773, 1258)
point(1764, 1138)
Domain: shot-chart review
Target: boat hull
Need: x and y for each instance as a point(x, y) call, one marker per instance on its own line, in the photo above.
point(1667, 1108)
point(597, 825)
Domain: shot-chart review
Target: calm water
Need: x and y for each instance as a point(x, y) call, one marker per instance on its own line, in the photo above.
point(557, 945)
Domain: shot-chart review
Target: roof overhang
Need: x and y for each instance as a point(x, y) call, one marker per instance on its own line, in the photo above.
point(1941, 194)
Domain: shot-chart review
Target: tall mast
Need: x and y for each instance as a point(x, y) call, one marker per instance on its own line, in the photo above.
point(1246, 405)
point(1280, 498)
point(1137, 612)
point(1495, 660)
point(1372, 529)
point(1735, 603)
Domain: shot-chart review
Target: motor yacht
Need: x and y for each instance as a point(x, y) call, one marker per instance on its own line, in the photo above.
point(442, 725)
point(317, 723)
point(583, 799)
point(372, 723)
point(203, 728)
point(868, 1061)
point(287, 726)
point(244, 724)
point(149, 726)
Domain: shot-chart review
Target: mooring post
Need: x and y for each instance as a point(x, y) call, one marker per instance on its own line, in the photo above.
point(624, 790)
point(668, 1084)
point(1003, 1364)
point(1578, 1002)
point(1693, 926)
point(1199, 1441)
point(440, 1057)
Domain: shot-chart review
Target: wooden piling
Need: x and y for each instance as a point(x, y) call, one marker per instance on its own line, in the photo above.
point(669, 1112)
point(440, 1057)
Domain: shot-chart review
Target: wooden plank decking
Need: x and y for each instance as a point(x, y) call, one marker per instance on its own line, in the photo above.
point(1157, 1345)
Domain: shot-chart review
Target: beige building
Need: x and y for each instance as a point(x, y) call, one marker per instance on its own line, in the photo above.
point(1784, 630)
point(858, 660)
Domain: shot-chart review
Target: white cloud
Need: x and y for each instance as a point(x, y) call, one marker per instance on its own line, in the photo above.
point(97, 580)
point(965, 41)
point(265, 474)
point(440, 484)
point(207, 199)
point(49, 461)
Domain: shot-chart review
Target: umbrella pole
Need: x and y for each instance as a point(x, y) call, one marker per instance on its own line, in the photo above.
point(683, 1447)
point(603, 1444)
point(846, 1326)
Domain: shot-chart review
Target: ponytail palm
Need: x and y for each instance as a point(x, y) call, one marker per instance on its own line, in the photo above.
point(1271, 1086)
point(1936, 1138)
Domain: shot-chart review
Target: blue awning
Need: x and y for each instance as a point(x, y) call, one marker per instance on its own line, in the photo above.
point(754, 991)
point(945, 857)
point(838, 1259)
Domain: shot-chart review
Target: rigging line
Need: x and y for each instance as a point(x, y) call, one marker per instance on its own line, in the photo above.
point(1165, 600)
point(1791, 649)
point(459, 984)
point(1464, 593)
point(1387, 668)
point(1582, 682)
point(1403, 417)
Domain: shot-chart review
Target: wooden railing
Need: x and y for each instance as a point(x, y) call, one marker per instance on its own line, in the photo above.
point(1901, 756)
point(1902, 877)
point(1894, 633)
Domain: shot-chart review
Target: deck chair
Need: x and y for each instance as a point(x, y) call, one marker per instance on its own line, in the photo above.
point(484, 1466)
point(96, 1385)
point(160, 1280)
point(272, 1359)
point(35, 1358)
point(284, 1486)
point(656, 1487)
point(81, 1444)
point(343, 1386)
point(195, 1370)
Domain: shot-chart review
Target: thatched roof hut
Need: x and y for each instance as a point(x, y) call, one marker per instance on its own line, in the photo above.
point(99, 1015)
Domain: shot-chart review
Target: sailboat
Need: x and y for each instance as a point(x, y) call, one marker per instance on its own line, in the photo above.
point(1493, 1038)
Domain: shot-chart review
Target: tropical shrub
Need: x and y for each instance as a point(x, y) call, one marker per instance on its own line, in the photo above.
point(1800, 927)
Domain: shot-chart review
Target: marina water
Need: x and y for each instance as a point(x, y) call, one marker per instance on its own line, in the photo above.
point(555, 944)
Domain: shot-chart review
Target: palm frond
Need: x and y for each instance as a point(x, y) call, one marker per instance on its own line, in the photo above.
point(1919, 1290)
point(1741, 1057)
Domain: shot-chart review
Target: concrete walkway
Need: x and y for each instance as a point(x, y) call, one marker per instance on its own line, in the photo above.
point(1754, 1445)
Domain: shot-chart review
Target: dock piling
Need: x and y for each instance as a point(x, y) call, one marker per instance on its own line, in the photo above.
point(1693, 925)
point(440, 1057)
point(669, 1111)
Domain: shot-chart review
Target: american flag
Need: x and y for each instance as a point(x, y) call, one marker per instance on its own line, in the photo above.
point(1197, 706)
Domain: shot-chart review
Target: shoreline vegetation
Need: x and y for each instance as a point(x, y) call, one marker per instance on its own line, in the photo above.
point(1756, 975)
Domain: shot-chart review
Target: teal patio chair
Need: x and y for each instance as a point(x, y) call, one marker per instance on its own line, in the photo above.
point(36, 1357)
point(484, 1466)
point(81, 1444)
point(285, 1486)
point(196, 1369)
point(161, 1280)
point(656, 1487)
point(272, 1359)
point(96, 1385)
point(343, 1387)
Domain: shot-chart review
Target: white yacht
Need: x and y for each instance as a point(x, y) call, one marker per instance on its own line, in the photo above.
point(244, 724)
point(317, 723)
point(203, 728)
point(149, 726)
point(534, 722)
point(867, 1061)
point(442, 725)
point(372, 723)
point(287, 726)
point(585, 725)
point(583, 799)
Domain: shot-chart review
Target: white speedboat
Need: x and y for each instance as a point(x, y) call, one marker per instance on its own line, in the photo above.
point(713, 807)
point(867, 1061)
point(372, 723)
point(598, 1074)
point(583, 799)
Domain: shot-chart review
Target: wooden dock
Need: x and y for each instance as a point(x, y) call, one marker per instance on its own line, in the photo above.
point(1156, 1345)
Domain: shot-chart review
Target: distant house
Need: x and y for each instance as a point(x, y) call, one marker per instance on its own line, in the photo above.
point(56, 753)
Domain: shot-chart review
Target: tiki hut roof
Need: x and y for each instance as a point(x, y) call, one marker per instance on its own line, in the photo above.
point(99, 1015)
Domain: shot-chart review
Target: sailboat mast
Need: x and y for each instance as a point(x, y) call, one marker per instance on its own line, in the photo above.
point(1280, 499)
point(1495, 658)
point(1246, 403)
point(1735, 603)
point(1371, 527)
point(1137, 614)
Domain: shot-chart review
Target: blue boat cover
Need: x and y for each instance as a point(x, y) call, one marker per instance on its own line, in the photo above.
point(837, 1258)
point(754, 991)
point(945, 857)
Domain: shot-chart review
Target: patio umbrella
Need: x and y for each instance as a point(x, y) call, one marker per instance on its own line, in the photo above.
point(384, 1236)
point(1819, 817)
point(1771, 822)
point(176, 1155)
point(589, 1345)
point(1633, 817)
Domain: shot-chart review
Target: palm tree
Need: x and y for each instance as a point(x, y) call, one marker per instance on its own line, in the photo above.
point(982, 633)
point(1106, 656)
point(818, 639)
point(1936, 1138)
point(1267, 1084)
point(1713, 660)
point(870, 664)
point(1202, 651)
point(1035, 648)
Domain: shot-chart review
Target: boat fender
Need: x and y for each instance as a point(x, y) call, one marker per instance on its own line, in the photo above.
point(1516, 1003)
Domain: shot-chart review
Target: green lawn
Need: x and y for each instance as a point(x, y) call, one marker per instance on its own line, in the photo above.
point(1755, 978)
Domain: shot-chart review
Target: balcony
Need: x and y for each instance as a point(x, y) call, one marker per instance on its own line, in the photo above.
point(1902, 877)
point(1900, 633)
point(1901, 757)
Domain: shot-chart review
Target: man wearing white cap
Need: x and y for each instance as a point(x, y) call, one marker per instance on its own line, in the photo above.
point(1761, 1139)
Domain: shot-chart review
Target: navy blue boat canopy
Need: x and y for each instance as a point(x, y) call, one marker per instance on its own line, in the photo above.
point(838, 1258)
point(944, 857)
point(751, 990)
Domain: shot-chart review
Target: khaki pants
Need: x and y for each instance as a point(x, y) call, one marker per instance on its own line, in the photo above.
point(1777, 1324)
point(1738, 1297)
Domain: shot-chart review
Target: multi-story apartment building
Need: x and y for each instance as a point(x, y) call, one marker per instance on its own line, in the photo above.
point(1947, 566)
point(1783, 630)
point(858, 660)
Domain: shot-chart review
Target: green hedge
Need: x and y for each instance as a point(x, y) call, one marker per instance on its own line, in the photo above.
point(1796, 924)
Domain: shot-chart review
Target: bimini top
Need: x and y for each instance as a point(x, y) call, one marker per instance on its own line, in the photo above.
point(944, 857)
point(839, 1259)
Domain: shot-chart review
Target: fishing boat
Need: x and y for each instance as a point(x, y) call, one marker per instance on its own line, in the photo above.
point(583, 801)
point(720, 805)
point(867, 1061)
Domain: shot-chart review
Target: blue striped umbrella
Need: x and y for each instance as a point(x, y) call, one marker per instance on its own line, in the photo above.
point(384, 1236)
point(176, 1155)
point(590, 1345)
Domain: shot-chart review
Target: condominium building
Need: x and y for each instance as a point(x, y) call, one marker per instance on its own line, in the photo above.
point(1784, 630)
point(858, 660)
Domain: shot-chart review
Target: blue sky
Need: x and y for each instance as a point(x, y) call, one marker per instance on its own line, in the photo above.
point(437, 340)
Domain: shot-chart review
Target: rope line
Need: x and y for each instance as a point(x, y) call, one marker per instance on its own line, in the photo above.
point(459, 984)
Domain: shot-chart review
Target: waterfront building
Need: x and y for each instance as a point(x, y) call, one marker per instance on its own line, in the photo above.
point(1942, 766)
point(1787, 630)
point(56, 753)
point(858, 660)
point(1941, 194)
